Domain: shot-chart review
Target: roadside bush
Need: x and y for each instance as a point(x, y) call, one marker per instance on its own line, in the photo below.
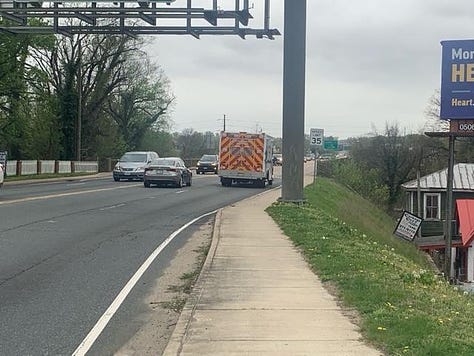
point(362, 180)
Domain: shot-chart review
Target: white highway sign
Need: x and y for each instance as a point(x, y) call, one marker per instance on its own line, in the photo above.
point(316, 137)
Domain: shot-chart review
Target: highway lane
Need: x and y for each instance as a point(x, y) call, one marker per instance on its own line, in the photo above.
point(68, 248)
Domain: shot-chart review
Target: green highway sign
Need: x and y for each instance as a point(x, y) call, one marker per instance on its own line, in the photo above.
point(330, 145)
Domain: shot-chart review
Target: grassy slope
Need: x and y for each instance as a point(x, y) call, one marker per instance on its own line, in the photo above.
point(404, 308)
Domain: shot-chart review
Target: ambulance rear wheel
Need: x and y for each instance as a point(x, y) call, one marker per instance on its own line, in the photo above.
point(260, 183)
point(226, 182)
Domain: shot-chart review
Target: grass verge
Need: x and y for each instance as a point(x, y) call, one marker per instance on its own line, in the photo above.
point(45, 176)
point(404, 308)
point(188, 280)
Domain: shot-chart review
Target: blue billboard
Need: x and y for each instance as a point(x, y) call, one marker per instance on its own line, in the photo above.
point(457, 80)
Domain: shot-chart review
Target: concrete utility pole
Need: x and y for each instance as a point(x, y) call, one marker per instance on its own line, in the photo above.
point(294, 69)
point(79, 100)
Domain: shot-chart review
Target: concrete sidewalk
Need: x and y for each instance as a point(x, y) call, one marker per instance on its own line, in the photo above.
point(257, 296)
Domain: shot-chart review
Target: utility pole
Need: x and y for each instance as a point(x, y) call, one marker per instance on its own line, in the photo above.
point(293, 100)
point(224, 122)
point(449, 195)
point(79, 99)
point(449, 208)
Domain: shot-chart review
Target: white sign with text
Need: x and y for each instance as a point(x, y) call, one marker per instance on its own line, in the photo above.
point(316, 137)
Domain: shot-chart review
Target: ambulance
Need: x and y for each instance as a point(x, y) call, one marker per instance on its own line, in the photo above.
point(245, 158)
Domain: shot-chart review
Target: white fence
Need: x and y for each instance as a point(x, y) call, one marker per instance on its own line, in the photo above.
point(47, 167)
point(32, 167)
point(83, 166)
point(28, 167)
point(11, 168)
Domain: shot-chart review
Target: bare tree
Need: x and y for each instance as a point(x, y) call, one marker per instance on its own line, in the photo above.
point(141, 102)
point(394, 155)
point(84, 71)
point(432, 112)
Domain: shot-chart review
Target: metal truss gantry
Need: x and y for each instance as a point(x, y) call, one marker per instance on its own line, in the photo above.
point(148, 17)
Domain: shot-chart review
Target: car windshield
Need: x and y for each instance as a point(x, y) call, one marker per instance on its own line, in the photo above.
point(133, 157)
point(164, 162)
point(208, 158)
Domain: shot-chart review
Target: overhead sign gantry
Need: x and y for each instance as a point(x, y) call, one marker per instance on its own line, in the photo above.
point(154, 17)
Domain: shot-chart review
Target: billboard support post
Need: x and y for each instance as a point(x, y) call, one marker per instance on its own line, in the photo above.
point(293, 101)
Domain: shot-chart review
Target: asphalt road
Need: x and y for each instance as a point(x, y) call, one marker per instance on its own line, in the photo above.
point(68, 248)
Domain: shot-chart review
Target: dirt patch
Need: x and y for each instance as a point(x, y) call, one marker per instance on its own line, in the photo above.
point(169, 295)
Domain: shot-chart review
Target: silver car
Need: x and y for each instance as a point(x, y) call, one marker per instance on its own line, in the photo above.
point(132, 165)
point(168, 170)
point(2, 174)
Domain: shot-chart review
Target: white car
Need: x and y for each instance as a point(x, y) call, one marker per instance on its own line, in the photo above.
point(2, 174)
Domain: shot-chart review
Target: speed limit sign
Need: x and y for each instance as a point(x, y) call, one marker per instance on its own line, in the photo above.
point(316, 137)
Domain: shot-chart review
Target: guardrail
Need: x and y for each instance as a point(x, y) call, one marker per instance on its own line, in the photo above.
point(32, 167)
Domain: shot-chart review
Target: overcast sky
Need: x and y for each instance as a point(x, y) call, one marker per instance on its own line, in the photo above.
point(369, 62)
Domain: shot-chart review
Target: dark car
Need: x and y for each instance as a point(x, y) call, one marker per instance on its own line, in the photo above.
point(207, 163)
point(168, 170)
point(277, 159)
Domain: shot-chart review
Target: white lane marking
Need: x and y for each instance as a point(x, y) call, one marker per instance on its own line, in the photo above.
point(180, 191)
point(112, 207)
point(44, 197)
point(95, 332)
point(74, 184)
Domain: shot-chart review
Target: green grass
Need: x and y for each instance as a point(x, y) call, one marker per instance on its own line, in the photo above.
point(404, 307)
point(188, 280)
point(45, 176)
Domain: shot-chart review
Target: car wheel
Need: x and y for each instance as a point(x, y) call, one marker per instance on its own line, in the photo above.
point(146, 184)
point(117, 179)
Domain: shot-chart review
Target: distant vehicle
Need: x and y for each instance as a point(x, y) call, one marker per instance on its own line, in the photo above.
point(132, 165)
point(325, 157)
point(277, 159)
point(2, 174)
point(208, 163)
point(342, 155)
point(167, 170)
point(245, 158)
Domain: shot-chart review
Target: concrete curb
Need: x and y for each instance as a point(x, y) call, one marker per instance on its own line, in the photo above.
point(180, 332)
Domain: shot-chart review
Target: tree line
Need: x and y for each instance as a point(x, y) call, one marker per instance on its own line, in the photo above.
point(87, 97)
point(80, 97)
point(380, 163)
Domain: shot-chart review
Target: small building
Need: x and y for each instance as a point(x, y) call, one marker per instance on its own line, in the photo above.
point(432, 190)
point(464, 260)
